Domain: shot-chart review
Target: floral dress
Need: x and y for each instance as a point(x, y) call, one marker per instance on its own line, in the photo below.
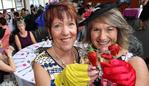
point(50, 65)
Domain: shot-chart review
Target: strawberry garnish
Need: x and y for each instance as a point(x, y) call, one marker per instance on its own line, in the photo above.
point(106, 55)
point(114, 49)
point(92, 56)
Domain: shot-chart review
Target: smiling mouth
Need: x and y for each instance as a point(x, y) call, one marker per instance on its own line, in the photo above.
point(66, 39)
point(103, 43)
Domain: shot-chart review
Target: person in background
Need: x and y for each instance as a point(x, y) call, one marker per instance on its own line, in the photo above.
point(105, 27)
point(40, 10)
point(6, 62)
point(31, 25)
point(144, 16)
point(5, 39)
point(12, 13)
point(6, 15)
point(23, 13)
point(1, 15)
point(16, 18)
point(144, 2)
point(61, 22)
point(32, 7)
point(40, 14)
point(6, 68)
point(23, 38)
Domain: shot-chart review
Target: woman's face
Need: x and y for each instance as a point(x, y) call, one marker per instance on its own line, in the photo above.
point(64, 33)
point(21, 27)
point(103, 35)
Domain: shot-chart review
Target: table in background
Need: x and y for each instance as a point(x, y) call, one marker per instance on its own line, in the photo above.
point(23, 58)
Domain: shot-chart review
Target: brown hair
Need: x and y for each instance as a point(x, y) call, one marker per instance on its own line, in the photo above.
point(114, 18)
point(57, 10)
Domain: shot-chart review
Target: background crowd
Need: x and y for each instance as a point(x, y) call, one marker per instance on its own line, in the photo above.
point(59, 23)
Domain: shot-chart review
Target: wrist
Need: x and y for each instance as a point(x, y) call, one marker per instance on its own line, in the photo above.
point(9, 58)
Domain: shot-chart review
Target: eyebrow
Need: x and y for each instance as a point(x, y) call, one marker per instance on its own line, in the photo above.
point(110, 26)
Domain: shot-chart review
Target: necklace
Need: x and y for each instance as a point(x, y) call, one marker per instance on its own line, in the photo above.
point(61, 60)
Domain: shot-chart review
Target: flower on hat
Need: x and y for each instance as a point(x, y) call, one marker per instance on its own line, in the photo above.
point(87, 13)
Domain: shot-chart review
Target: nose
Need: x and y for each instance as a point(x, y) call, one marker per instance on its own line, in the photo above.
point(65, 31)
point(102, 35)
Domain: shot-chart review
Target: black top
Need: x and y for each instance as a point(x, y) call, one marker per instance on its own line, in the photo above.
point(2, 73)
point(1, 76)
point(145, 12)
point(2, 32)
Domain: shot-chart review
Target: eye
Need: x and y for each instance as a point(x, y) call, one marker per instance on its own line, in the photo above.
point(56, 26)
point(111, 28)
point(71, 23)
point(95, 29)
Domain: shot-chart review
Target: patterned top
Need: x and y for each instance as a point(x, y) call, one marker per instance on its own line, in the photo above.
point(50, 65)
point(126, 57)
point(2, 73)
point(53, 68)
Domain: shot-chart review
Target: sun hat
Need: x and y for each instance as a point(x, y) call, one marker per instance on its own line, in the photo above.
point(98, 10)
